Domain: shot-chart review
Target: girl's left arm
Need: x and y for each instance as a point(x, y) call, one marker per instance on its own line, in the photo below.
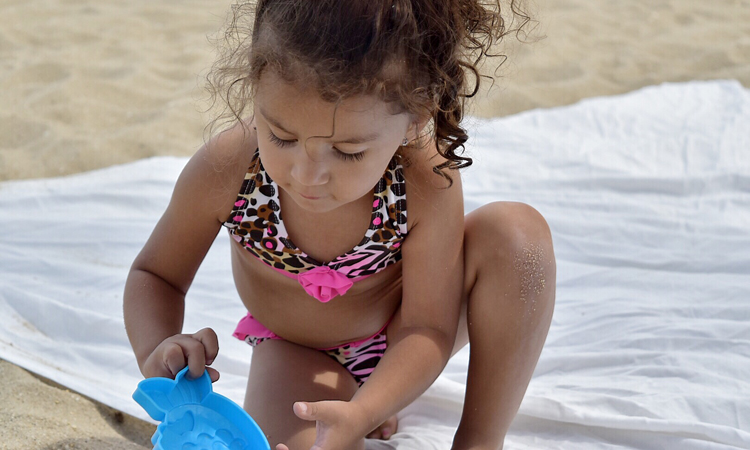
point(422, 335)
point(420, 343)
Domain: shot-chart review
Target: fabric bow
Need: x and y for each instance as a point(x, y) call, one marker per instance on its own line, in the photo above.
point(324, 283)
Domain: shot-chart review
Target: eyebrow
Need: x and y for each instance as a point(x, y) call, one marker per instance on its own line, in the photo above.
point(353, 140)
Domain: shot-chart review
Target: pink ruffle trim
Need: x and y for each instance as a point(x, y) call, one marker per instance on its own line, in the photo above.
point(324, 283)
point(248, 326)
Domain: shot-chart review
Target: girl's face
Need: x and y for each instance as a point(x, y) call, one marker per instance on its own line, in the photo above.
point(322, 173)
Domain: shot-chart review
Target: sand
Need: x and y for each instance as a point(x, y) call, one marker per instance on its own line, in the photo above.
point(87, 84)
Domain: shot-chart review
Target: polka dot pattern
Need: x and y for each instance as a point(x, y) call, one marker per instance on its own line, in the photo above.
point(256, 223)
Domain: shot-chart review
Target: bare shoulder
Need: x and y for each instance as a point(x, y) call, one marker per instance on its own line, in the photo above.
point(430, 193)
point(201, 201)
point(215, 173)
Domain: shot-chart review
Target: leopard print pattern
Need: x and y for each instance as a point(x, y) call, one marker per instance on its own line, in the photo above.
point(256, 223)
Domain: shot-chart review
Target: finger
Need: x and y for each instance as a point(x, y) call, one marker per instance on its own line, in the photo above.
point(173, 359)
point(282, 447)
point(389, 427)
point(385, 430)
point(306, 411)
point(210, 342)
point(195, 355)
point(213, 373)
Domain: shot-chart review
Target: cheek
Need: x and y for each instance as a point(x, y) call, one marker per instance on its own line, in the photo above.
point(274, 164)
point(273, 153)
point(357, 183)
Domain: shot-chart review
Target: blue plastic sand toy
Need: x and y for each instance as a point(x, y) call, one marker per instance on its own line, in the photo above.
point(193, 417)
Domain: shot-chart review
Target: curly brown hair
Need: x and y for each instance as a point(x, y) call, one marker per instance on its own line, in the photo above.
point(412, 54)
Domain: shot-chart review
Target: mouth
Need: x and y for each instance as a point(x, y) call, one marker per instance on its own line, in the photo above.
point(309, 197)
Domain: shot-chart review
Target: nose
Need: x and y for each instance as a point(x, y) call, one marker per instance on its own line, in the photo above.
point(308, 172)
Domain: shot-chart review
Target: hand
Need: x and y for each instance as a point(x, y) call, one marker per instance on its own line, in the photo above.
point(174, 353)
point(339, 425)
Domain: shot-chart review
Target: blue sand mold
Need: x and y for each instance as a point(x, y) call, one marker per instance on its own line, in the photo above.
point(193, 417)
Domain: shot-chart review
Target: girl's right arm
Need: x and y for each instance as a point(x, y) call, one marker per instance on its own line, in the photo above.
point(154, 298)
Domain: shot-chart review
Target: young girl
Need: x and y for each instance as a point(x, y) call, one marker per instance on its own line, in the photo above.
point(350, 249)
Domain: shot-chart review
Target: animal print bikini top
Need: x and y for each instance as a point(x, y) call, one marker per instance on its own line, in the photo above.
point(256, 223)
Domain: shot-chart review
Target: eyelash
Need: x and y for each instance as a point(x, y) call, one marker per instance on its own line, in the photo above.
point(341, 155)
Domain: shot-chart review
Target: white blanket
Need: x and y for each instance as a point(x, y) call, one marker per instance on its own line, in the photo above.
point(648, 199)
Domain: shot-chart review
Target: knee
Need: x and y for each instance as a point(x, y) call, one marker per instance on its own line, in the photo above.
point(509, 234)
point(509, 256)
point(504, 226)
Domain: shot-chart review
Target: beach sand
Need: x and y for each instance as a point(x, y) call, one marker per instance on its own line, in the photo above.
point(87, 84)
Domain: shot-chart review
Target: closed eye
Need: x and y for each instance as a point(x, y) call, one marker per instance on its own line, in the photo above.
point(339, 154)
point(278, 141)
point(350, 156)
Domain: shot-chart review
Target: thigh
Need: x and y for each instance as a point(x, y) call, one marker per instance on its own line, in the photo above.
point(282, 373)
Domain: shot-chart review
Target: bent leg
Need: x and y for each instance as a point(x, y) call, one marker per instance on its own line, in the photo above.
point(509, 299)
point(282, 373)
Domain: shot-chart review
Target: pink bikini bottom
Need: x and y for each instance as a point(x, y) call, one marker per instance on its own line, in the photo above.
point(359, 358)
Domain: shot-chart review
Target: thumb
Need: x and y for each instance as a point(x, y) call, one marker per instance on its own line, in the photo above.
point(308, 411)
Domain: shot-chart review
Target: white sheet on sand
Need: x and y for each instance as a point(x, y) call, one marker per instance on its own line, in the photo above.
point(648, 199)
